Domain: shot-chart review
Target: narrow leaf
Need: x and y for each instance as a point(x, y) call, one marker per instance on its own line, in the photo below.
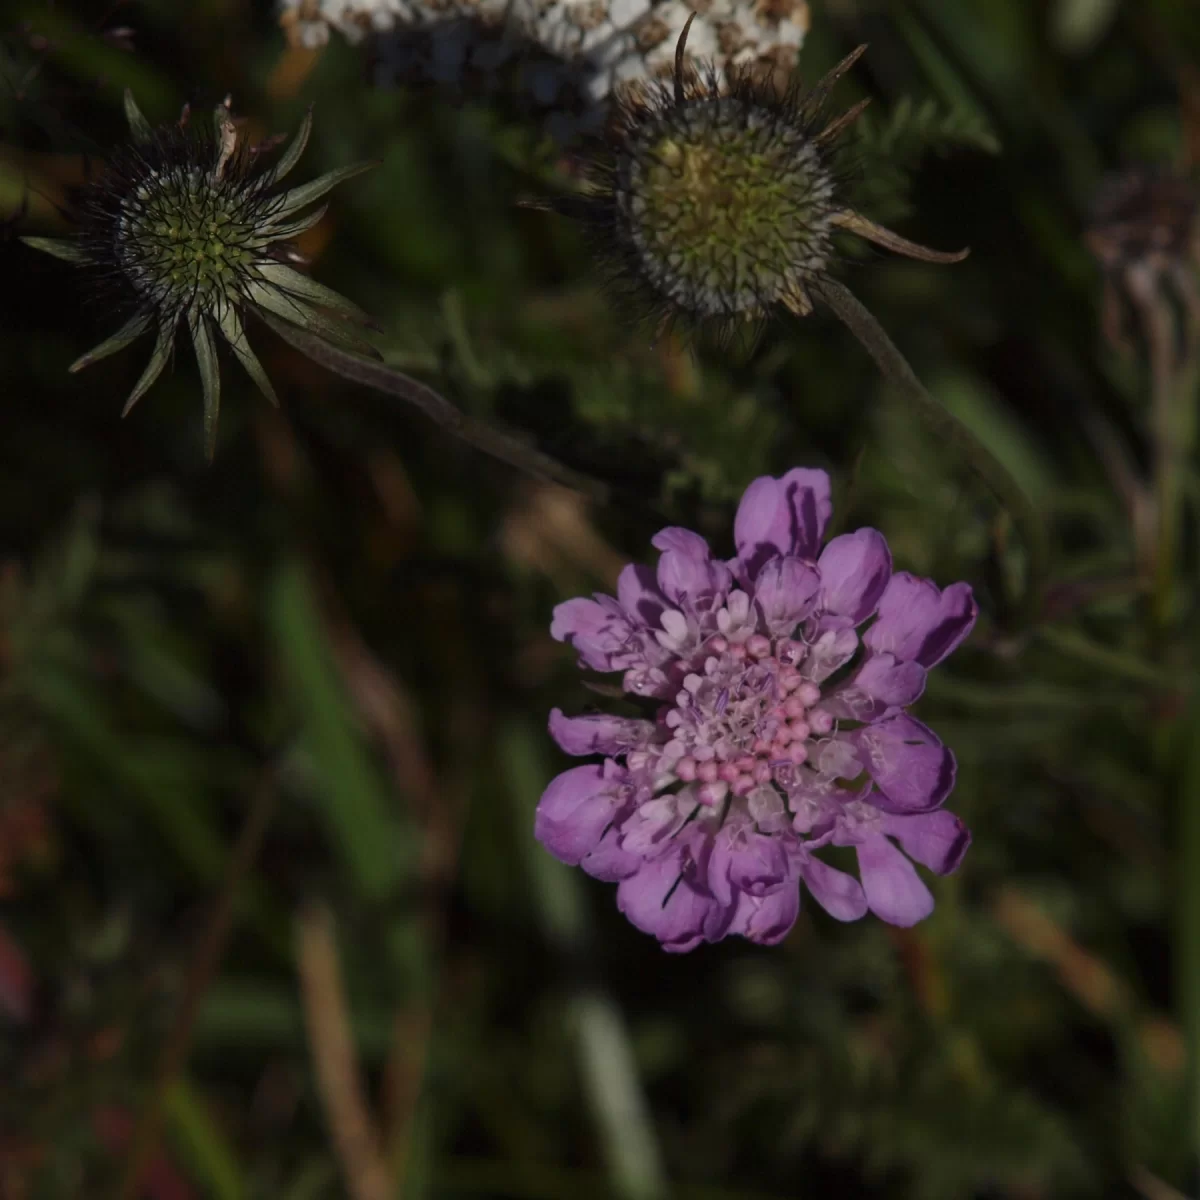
point(296, 312)
point(210, 378)
point(298, 198)
point(204, 1143)
point(291, 156)
point(64, 248)
point(138, 125)
point(354, 801)
point(291, 229)
point(294, 283)
point(133, 329)
point(163, 345)
point(234, 333)
point(854, 222)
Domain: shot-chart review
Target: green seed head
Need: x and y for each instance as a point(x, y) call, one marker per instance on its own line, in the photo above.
point(183, 242)
point(726, 206)
point(183, 224)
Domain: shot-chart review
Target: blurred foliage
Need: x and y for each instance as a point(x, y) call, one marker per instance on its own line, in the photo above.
point(355, 608)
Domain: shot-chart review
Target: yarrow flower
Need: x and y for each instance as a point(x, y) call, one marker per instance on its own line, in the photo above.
point(779, 681)
point(189, 231)
point(565, 57)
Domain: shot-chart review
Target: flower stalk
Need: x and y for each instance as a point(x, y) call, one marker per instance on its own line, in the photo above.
point(945, 426)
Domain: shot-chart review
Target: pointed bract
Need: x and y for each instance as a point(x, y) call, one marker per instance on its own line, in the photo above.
point(139, 127)
point(147, 220)
point(64, 248)
point(291, 156)
point(297, 198)
point(234, 333)
point(133, 329)
point(210, 378)
point(164, 343)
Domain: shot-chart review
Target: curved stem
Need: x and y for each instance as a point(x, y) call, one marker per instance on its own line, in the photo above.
point(995, 476)
point(483, 436)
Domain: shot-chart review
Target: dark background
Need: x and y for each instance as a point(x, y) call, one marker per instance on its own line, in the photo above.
point(346, 617)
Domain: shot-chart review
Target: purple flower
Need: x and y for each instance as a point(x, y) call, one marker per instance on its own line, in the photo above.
point(778, 728)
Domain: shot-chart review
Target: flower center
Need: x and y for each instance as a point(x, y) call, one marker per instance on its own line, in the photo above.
point(746, 715)
point(182, 240)
point(726, 204)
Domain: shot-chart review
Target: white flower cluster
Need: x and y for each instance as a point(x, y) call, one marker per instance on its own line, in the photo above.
point(587, 45)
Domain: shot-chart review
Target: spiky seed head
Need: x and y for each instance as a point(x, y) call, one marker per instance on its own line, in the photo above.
point(717, 199)
point(186, 228)
point(726, 205)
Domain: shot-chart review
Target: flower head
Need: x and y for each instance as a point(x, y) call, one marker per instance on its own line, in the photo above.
point(188, 230)
point(561, 59)
point(777, 683)
point(718, 200)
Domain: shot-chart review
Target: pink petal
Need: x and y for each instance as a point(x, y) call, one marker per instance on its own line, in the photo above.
point(786, 591)
point(597, 629)
point(937, 840)
point(855, 569)
point(687, 570)
point(658, 900)
point(833, 649)
point(576, 808)
point(920, 623)
point(839, 894)
point(638, 595)
point(782, 516)
point(911, 768)
point(766, 920)
point(609, 861)
point(598, 733)
point(894, 892)
point(879, 685)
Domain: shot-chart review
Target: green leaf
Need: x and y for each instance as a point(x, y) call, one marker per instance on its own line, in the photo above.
point(288, 280)
point(354, 800)
point(139, 127)
point(291, 156)
point(133, 329)
point(204, 1144)
point(210, 379)
point(64, 248)
point(291, 229)
point(234, 333)
point(295, 312)
point(306, 194)
point(163, 345)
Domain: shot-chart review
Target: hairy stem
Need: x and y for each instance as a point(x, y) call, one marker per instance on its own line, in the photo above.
point(942, 424)
point(485, 437)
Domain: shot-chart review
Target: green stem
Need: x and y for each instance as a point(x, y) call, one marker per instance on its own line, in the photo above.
point(492, 441)
point(1173, 414)
point(1188, 924)
point(994, 475)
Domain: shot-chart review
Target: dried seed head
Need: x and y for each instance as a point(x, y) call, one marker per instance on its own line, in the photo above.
point(718, 203)
point(726, 206)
